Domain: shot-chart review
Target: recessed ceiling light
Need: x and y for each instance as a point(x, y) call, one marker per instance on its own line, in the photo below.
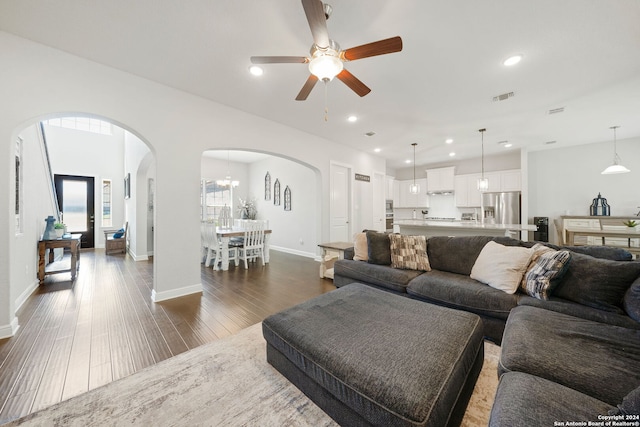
point(512, 60)
point(508, 145)
point(377, 150)
point(255, 70)
point(449, 141)
point(451, 154)
point(352, 119)
point(407, 161)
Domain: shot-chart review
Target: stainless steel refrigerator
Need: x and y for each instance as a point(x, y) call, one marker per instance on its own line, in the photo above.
point(501, 208)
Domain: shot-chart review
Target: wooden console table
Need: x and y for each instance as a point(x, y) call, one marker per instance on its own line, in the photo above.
point(73, 243)
point(629, 234)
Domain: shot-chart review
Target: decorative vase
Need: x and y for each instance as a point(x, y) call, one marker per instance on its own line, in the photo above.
point(50, 231)
point(59, 232)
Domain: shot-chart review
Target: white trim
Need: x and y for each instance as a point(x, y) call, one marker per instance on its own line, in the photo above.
point(293, 252)
point(175, 293)
point(7, 331)
point(22, 298)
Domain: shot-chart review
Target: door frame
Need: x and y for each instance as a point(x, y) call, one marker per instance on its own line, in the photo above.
point(88, 238)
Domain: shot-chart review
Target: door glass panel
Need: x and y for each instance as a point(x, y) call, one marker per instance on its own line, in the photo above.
point(74, 205)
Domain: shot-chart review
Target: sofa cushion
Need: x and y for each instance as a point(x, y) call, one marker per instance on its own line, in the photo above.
point(597, 283)
point(630, 404)
point(501, 267)
point(379, 248)
point(632, 300)
point(540, 280)
point(409, 252)
point(523, 400)
point(360, 247)
point(455, 254)
point(571, 351)
point(463, 293)
point(383, 276)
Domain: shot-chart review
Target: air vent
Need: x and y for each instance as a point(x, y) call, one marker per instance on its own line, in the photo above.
point(556, 110)
point(370, 133)
point(550, 142)
point(503, 97)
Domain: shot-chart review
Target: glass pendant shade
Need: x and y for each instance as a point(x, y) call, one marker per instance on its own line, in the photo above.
point(414, 188)
point(616, 167)
point(483, 184)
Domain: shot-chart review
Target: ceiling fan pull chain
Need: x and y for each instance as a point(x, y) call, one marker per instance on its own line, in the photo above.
point(326, 103)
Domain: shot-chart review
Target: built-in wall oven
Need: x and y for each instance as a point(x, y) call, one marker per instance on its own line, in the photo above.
point(389, 215)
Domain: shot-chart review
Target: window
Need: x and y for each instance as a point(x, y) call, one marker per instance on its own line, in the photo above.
point(19, 186)
point(106, 203)
point(215, 197)
point(86, 124)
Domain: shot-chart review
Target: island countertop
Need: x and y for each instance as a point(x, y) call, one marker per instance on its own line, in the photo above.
point(460, 228)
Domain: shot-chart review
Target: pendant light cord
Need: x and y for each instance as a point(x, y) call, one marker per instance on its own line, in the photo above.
point(482, 153)
point(414, 162)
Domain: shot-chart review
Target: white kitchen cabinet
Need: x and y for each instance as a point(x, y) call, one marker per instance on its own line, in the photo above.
point(408, 200)
point(466, 190)
point(511, 180)
point(495, 181)
point(388, 188)
point(440, 179)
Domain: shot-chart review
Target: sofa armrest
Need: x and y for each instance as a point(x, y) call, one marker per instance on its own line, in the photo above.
point(563, 306)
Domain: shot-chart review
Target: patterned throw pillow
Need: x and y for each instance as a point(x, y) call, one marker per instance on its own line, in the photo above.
point(409, 252)
point(549, 268)
point(538, 249)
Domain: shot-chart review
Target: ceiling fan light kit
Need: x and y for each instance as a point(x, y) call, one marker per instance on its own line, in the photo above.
point(616, 167)
point(327, 59)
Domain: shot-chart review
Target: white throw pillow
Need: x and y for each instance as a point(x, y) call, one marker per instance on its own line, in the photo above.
point(360, 248)
point(501, 267)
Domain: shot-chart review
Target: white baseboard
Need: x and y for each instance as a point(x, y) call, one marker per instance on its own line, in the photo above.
point(7, 331)
point(22, 298)
point(138, 257)
point(294, 252)
point(175, 293)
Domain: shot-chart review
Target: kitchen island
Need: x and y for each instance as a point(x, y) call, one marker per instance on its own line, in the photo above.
point(460, 228)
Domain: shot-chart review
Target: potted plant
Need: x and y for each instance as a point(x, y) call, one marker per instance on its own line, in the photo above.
point(631, 223)
point(59, 227)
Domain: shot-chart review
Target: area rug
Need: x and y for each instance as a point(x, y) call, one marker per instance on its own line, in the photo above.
point(224, 383)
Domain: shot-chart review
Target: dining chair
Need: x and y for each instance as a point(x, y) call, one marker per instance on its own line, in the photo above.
point(253, 245)
point(213, 246)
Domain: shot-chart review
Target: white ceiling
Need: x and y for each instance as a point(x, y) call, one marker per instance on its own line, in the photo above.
point(580, 55)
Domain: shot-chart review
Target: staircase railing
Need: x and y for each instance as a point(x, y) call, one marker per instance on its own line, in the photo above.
point(49, 173)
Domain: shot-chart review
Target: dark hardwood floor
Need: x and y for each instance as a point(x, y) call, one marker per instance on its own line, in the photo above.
point(74, 337)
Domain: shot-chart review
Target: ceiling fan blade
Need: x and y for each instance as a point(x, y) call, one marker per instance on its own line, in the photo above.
point(381, 47)
point(279, 60)
point(306, 89)
point(353, 82)
point(317, 22)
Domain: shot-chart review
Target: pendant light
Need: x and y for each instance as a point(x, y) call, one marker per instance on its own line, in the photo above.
point(414, 188)
point(227, 182)
point(616, 167)
point(483, 183)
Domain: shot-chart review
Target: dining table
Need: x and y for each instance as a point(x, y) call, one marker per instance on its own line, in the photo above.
point(225, 235)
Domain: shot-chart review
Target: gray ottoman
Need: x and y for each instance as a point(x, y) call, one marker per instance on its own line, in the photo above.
point(368, 357)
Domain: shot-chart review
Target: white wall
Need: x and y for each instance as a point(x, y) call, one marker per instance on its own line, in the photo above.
point(38, 203)
point(178, 127)
point(293, 231)
point(137, 160)
point(564, 181)
point(81, 153)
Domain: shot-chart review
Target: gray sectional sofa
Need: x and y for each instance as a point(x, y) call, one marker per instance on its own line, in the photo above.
point(572, 357)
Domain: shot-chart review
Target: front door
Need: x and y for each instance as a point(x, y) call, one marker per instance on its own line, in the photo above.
point(76, 201)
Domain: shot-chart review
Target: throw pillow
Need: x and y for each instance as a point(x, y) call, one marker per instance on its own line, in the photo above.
point(360, 247)
point(632, 301)
point(118, 234)
point(538, 250)
point(409, 252)
point(379, 248)
point(501, 267)
point(541, 279)
point(630, 404)
point(597, 283)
